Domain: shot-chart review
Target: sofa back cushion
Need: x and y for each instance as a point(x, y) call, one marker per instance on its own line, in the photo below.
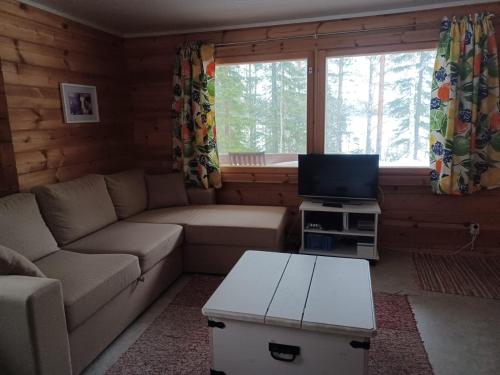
point(128, 192)
point(22, 227)
point(166, 190)
point(76, 208)
point(13, 263)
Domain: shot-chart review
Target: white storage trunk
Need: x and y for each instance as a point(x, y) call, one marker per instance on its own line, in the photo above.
point(278, 313)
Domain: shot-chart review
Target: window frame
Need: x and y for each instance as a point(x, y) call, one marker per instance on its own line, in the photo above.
point(309, 56)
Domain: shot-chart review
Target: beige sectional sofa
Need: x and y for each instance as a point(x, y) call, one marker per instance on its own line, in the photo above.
point(106, 257)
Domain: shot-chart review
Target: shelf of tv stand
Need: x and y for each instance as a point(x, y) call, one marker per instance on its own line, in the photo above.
point(350, 232)
point(365, 207)
point(339, 251)
point(344, 251)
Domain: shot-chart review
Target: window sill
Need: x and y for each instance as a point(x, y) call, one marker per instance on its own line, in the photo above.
point(270, 168)
point(259, 174)
point(389, 176)
point(258, 168)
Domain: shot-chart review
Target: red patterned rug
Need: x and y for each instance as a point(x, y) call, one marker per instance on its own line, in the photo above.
point(177, 341)
point(471, 275)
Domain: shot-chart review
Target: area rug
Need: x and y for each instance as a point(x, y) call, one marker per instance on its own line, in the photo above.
point(177, 341)
point(465, 275)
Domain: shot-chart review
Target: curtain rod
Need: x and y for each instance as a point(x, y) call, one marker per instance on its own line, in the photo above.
point(319, 35)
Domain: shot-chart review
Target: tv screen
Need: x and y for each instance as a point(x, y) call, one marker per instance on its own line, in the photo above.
point(338, 176)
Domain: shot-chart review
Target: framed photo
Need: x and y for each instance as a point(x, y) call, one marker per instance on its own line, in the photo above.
point(79, 103)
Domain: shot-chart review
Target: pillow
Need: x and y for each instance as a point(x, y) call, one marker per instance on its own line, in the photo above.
point(22, 227)
point(13, 263)
point(201, 196)
point(76, 208)
point(166, 190)
point(128, 192)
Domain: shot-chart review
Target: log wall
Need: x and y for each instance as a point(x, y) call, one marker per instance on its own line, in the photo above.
point(412, 218)
point(38, 51)
point(8, 174)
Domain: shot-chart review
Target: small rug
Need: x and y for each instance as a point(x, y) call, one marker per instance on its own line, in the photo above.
point(465, 275)
point(177, 341)
point(397, 349)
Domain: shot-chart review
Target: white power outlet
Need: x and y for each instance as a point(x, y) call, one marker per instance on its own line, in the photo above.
point(474, 229)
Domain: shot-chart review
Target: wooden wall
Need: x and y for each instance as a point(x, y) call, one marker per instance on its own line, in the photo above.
point(8, 174)
point(413, 218)
point(38, 51)
point(150, 68)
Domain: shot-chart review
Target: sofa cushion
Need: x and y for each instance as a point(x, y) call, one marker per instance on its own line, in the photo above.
point(251, 226)
point(22, 227)
point(173, 215)
point(166, 190)
point(198, 195)
point(89, 281)
point(76, 208)
point(149, 242)
point(13, 263)
point(128, 192)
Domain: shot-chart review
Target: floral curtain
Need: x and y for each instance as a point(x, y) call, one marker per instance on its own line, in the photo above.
point(465, 122)
point(194, 138)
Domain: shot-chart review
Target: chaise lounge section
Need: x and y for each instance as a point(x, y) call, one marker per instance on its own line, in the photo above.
point(215, 236)
point(107, 253)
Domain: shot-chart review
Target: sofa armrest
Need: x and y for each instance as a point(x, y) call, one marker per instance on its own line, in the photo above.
point(201, 196)
point(33, 333)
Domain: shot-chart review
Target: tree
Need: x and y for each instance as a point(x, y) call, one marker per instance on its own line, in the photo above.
point(250, 99)
point(400, 108)
point(380, 107)
point(294, 102)
point(284, 113)
point(412, 72)
point(421, 115)
point(264, 105)
point(369, 107)
point(272, 139)
point(230, 108)
point(337, 111)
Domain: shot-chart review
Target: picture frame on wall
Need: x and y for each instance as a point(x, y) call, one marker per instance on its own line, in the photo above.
point(79, 103)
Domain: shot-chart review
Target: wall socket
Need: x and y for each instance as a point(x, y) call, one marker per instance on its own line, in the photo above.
point(474, 229)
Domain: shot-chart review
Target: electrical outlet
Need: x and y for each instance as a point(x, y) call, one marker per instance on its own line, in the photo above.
point(474, 229)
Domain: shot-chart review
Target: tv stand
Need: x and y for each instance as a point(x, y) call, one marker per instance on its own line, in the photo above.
point(333, 204)
point(343, 229)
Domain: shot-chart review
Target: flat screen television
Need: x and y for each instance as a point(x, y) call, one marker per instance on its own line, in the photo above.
point(338, 177)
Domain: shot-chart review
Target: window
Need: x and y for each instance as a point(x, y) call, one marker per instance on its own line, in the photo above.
point(261, 111)
point(380, 104)
point(373, 104)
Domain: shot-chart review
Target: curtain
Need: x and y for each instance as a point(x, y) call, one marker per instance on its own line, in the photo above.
point(465, 122)
point(194, 134)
